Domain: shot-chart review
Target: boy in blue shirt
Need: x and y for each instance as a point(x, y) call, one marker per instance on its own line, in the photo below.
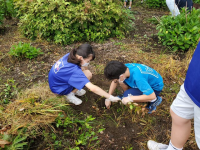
point(139, 82)
point(185, 107)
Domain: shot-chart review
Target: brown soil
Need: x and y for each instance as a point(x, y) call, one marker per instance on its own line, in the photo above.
point(121, 130)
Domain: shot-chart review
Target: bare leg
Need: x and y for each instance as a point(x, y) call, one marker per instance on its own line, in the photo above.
point(130, 3)
point(181, 129)
point(124, 4)
point(123, 86)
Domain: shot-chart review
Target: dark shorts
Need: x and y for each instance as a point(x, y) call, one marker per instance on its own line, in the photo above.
point(137, 92)
point(182, 3)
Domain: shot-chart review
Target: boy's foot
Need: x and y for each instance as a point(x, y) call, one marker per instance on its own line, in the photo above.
point(73, 99)
point(124, 6)
point(152, 105)
point(152, 145)
point(80, 92)
point(129, 7)
point(141, 2)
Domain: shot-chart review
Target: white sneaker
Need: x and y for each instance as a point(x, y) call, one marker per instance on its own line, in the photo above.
point(80, 92)
point(73, 99)
point(152, 145)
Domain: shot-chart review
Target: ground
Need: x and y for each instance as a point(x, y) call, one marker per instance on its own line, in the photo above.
point(123, 129)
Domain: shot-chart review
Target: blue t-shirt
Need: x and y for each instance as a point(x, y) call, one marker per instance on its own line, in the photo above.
point(144, 78)
point(192, 80)
point(65, 76)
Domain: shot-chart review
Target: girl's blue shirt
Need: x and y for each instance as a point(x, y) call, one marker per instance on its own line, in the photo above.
point(64, 77)
point(144, 78)
point(192, 80)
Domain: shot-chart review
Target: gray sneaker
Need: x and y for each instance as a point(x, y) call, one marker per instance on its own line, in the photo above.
point(73, 99)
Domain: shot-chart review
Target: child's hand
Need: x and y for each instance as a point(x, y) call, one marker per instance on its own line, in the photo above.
point(126, 100)
point(114, 98)
point(107, 103)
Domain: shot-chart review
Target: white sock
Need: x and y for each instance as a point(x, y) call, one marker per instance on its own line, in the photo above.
point(154, 100)
point(172, 147)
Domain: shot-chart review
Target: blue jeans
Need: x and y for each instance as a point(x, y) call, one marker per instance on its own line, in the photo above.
point(137, 92)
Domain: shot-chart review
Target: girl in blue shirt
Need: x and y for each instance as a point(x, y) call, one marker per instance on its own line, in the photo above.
point(69, 75)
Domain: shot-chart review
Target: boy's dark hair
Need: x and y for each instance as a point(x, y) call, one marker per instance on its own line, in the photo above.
point(84, 50)
point(114, 69)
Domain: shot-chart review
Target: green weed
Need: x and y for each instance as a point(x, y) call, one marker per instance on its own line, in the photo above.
point(180, 32)
point(24, 50)
point(8, 91)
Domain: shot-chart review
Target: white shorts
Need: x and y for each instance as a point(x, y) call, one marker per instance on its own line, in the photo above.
point(185, 108)
point(172, 7)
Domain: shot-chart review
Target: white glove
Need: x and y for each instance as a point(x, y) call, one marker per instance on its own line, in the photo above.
point(114, 98)
point(127, 99)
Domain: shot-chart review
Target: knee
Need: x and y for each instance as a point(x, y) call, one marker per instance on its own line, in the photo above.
point(178, 120)
point(88, 74)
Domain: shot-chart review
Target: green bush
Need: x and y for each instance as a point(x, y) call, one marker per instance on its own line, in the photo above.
point(156, 3)
point(7, 9)
point(180, 32)
point(1, 17)
point(24, 51)
point(196, 1)
point(65, 22)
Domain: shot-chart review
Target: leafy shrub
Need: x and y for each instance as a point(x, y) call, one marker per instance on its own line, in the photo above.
point(7, 8)
point(1, 17)
point(66, 22)
point(196, 1)
point(24, 51)
point(156, 3)
point(180, 32)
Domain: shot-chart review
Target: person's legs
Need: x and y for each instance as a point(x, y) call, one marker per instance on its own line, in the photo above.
point(130, 4)
point(182, 111)
point(180, 130)
point(124, 86)
point(197, 124)
point(132, 91)
point(172, 7)
point(71, 96)
point(88, 74)
point(125, 3)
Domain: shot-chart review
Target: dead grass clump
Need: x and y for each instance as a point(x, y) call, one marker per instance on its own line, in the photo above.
point(35, 108)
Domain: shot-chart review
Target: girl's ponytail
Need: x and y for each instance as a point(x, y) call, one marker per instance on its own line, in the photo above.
point(72, 57)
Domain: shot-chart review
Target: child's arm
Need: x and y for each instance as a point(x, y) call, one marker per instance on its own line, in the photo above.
point(140, 98)
point(113, 86)
point(97, 90)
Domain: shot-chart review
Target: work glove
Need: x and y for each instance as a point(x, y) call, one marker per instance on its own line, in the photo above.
point(126, 100)
point(111, 99)
point(114, 98)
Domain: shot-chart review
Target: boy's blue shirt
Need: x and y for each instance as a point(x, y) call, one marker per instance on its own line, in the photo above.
point(144, 78)
point(192, 80)
point(65, 76)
